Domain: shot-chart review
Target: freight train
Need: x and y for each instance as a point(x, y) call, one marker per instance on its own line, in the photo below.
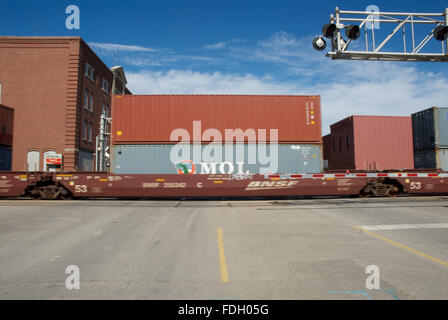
point(145, 136)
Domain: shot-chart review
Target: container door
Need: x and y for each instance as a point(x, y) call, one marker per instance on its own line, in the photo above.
point(442, 158)
point(33, 158)
point(442, 128)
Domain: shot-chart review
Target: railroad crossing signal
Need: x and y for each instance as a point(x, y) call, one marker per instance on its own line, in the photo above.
point(106, 152)
point(367, 22)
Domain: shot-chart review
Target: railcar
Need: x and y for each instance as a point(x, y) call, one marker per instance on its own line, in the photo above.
point(77, 185)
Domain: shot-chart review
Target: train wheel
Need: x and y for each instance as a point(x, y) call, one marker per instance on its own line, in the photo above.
point(54, 192)
point(394, 192)
point(381, 188)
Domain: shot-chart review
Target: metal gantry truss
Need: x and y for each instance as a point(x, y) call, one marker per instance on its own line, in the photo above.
point(406, 22)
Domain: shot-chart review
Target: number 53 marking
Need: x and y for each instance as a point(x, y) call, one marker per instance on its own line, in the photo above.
point(81, 188)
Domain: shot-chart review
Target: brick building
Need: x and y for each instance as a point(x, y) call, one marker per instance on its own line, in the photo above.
point(58, 88)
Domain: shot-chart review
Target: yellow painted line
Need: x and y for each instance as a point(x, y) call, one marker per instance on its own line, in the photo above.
point(103, 180)
point(218, 181)
point(222, 258)
point(64, 175)
point(160, 180)
point(405, 247)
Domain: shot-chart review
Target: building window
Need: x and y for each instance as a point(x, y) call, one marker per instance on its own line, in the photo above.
point(105, 86)
point(90, 72)
point(49, 167)
point(86, 99)
point(334, 146)
point(89, 132)
point(340, 144)
point(348, 142)
point(91, 102)
point(105, 109)
point(84, 130)
point(33, 158)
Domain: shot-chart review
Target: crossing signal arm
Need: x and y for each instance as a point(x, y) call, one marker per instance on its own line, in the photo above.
point(367, 22)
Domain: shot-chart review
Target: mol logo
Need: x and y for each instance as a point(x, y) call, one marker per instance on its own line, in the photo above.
point(186, 167)
point(271, 185)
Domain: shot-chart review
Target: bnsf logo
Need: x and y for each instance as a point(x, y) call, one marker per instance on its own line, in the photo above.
point(272, 184)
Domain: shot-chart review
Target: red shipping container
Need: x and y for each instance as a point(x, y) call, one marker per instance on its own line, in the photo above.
point(6, 125)
point(151, 119)
point(371, 143)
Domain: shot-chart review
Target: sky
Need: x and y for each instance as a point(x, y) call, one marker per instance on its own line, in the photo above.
point(243, 47)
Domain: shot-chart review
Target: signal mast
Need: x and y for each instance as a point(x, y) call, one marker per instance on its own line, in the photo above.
point(356, 23)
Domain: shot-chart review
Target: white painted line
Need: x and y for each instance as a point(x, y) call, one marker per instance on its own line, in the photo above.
point(406, 226)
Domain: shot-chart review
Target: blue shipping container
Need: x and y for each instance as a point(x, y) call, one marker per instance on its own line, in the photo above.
point(217, 159)
point(430, 129)
point(433, 159)
point(5, 158)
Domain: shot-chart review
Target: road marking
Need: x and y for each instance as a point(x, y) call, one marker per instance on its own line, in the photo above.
point(406, 226)
point(222, 258)
point(405, 247)
point(365, 294)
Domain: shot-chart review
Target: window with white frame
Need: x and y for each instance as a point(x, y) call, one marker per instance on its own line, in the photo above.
point(106, 86)
point(89, 132)
point(90, 72)
point(91, 102)
point(84, 130)
point(86, 99)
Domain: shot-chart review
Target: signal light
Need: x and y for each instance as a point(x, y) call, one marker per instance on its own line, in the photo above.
point(343, 43)
point(329, 30)
point(353, 32)
point(441, 33)
point(319, 44)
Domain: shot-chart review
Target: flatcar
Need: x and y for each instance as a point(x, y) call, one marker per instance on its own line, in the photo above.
point(77, 185)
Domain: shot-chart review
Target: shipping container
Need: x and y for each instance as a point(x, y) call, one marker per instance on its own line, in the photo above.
point(371, 143)
point(430, 129)
point(217, 159)
point(6, 125)
point(5, 158)
point(432, 159)
point(162, 119)
point(85, 160)
point(326, 147)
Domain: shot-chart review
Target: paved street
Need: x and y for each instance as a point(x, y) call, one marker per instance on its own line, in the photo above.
point(288, 249)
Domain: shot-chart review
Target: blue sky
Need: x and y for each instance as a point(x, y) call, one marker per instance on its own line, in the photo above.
point(239, 47)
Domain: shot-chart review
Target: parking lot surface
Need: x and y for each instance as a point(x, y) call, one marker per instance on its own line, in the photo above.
point(259, 249)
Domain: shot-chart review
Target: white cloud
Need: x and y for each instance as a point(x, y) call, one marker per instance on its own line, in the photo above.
point(222, 44)
point(119, 47)
point(189, 82)
point(219, 45)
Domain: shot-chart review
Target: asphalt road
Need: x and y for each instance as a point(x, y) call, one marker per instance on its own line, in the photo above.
point(289, 249)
